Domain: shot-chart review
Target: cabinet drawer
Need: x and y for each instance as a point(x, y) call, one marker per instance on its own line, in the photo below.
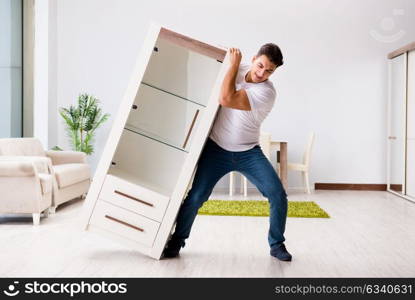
point(124, 223)
point(134, 197)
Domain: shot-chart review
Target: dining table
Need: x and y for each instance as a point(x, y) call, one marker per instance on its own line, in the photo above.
point(280, 148)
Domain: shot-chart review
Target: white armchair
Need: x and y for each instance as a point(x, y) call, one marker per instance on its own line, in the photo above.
point(25, 186)
point(72, 175)
point(69, 170)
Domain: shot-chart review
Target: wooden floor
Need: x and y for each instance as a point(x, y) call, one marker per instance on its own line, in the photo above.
point(369, 234)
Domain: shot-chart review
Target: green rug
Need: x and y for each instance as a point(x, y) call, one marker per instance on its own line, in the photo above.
point(260, 208)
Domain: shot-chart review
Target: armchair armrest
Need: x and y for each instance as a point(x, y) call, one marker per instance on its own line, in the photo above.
point(14, 168)
point(66, 157)
point(42, 164)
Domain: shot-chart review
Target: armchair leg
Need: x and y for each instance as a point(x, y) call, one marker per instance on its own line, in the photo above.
point(46, 213)
point(36, 219)
point(52, 209)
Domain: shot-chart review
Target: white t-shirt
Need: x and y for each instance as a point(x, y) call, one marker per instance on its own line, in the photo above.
point(238, 130)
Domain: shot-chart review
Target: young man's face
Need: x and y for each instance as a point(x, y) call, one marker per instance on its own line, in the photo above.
point(261, 68)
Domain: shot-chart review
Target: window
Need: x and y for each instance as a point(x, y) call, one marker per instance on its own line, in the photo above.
point(11, 68)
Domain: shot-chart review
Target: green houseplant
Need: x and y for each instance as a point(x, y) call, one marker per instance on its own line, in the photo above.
point(82, 121)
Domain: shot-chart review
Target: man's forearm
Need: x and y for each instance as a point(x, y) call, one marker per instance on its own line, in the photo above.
point(228, 84)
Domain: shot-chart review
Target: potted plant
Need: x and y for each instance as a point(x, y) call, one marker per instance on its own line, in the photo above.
point(82, 121)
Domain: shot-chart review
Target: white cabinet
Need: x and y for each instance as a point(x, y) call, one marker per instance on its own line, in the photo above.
point(401, 124)
point(410, 128)
point(396, 110)
point(155, 141)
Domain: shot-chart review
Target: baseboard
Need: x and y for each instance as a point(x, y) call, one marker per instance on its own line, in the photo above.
point(350, 186)
point(320, 186)
point(396, 187)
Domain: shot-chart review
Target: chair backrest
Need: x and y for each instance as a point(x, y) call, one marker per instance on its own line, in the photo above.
point(307, 153)
point(265, 143)
point(21, 147)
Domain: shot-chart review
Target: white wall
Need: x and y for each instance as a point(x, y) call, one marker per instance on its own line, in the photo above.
point(333, 81)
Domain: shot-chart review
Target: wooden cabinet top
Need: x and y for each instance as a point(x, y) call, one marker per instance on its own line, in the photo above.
point(406, 48)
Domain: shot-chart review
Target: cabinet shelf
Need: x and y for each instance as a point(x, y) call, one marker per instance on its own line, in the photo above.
point(154, 137)
point(173, 94)
point(154, 115)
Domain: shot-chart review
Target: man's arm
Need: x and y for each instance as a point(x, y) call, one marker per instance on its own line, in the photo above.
point(229, 96)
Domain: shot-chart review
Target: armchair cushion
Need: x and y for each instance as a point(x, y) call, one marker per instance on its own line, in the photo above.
point(69, 174)
point(41, 163)
point(21, 147)
point(45, 182)
point(66, 157)
point(11, 168)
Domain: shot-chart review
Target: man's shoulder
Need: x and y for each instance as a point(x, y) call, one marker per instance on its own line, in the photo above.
point(243, 69)
point(269, 84)
point(244, 65)
point(267, 87)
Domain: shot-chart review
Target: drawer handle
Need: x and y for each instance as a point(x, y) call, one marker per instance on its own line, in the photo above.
point(133, 198)
point(190, 129)
point(124, 223)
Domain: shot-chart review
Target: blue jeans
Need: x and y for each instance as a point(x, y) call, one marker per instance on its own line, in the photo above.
point(213, 164)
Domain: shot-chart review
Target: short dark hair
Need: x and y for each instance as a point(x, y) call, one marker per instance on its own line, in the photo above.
point(273, 52)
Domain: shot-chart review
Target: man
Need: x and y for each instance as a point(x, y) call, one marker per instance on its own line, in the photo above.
point(246, 98)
